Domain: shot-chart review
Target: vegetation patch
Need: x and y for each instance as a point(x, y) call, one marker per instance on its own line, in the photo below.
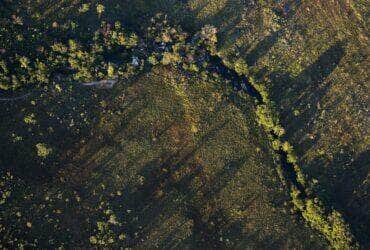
point(153, 137)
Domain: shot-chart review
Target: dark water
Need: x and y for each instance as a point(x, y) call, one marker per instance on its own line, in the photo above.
point(241, 83)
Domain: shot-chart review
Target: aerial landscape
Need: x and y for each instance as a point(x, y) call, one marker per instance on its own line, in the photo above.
point(184, 124)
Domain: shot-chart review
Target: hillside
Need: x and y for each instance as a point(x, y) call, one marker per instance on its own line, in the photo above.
point(227, 124)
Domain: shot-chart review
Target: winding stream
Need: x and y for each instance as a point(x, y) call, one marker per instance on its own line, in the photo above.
point(241, 83)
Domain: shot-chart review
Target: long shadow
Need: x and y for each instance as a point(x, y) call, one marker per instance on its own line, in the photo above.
point(151, 209)
point(232, 32)
point(317, 72)
point(310, 78)
point(262, 47)
point(225, 19)
point(287, 9)
point(345, 179)
point(221, 179)
point(207, 233)
point(157, 174)
point(305, 91)
point(131, 110)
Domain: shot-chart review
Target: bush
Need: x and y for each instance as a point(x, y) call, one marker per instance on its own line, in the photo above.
point(43, 150)
point(332, 226)
point(264, 117)
point(84, 8)
point(241, 67)
point(297, 201)
point(208, 38)
point(153, 60)
point(170, 58)
point(100, 9)
point(161, 32)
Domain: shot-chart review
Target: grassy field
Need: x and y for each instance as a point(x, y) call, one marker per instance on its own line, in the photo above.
point(175, 160)
point(313, 58)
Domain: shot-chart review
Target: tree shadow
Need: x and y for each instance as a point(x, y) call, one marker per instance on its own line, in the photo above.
point(152, 198)
point(287, 8)
point(225, 19)
point(346, 179)
point(317, 72)
point(162, 195)
point(305, 92)
point(231, 32)
point(210, 227)
point(262, 47)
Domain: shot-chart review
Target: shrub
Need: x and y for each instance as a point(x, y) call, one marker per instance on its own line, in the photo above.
point(161, 32)
point(30, 119)
point(84, 8)
point(332, 225)
point(292, 158)
point(24, 62)
point(4, 78)
point(100, 9)
point(241, 67)
point(276, 144)
point(170, 58)
point(297, 201)
point(193, 67)
point(339, 233)
point(6, 185)
point(41, 73)
point(111, 71)
point(208, 38)
point(265, 117)
point(153, 60)
point(301, 178)
point(208, 34)
point(42, 150)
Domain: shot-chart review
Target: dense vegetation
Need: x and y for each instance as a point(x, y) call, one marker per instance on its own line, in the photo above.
point(152, 136)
